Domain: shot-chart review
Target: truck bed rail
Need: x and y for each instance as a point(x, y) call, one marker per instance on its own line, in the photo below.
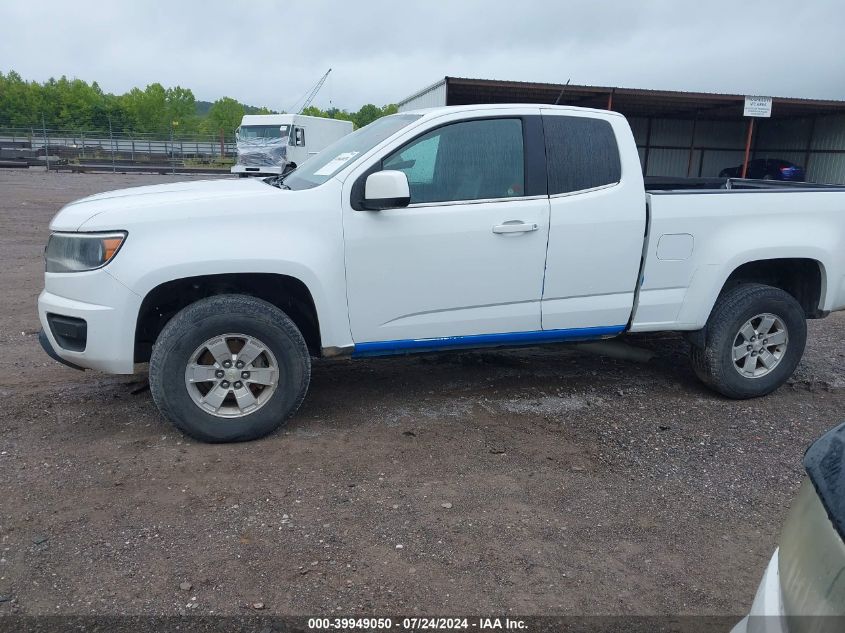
point(669, 184)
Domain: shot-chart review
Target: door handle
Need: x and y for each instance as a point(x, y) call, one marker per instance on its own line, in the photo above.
point(515, 227)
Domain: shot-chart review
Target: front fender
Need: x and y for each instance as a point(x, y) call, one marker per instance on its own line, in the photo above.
point(305, 243)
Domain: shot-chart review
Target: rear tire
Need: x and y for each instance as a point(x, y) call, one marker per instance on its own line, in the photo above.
point(199, 383)
point(754, 340)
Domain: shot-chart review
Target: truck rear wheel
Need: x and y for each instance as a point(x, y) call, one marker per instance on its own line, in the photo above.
point(229, 368)
point(754, 340)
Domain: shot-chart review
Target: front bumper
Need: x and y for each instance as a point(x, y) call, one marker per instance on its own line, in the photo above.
point(110, 311)
point(48, 349)
point(257, 169)
point(766, 614)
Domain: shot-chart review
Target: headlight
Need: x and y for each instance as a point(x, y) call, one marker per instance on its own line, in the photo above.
point(75, 252)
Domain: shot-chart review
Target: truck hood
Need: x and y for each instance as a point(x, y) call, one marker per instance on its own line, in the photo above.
point(131, 203)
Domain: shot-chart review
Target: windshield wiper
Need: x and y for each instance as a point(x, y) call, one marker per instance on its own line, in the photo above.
point(277, 181)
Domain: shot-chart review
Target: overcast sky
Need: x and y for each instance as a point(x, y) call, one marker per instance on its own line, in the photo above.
point(270, 53)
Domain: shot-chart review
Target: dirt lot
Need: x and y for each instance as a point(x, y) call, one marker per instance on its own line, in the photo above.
point(578, 484)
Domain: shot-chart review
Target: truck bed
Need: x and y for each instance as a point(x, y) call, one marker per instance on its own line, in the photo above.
point(698, 236)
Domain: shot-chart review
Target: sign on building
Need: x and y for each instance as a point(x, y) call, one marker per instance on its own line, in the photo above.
point(758, 106)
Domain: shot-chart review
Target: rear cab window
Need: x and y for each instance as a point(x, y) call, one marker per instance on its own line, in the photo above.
point(581, 153)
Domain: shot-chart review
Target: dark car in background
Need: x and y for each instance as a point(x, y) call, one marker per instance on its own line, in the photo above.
point(766, 169)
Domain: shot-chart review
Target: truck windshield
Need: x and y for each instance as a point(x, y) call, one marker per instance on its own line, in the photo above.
point(318, 169)
point(248, 132)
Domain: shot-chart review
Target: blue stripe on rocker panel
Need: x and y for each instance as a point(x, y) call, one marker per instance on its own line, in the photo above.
point(387, 348)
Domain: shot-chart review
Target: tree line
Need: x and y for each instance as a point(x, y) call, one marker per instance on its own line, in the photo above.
point(73, 104)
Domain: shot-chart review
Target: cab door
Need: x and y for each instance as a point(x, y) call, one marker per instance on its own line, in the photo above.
point(597, 222)
point(463, 264)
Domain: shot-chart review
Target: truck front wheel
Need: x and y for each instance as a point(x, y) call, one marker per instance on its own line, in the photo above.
point(754, 340)
point(229, 368)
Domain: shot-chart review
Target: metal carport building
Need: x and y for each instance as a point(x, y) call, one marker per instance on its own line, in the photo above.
point(680, 133)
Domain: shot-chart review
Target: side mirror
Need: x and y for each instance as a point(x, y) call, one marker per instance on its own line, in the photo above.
point(386, 190)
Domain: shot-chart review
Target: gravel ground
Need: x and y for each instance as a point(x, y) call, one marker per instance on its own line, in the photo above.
point(538, 481)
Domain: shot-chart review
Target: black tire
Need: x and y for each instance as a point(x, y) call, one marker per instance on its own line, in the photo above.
point(713, 363)
point(215, 316)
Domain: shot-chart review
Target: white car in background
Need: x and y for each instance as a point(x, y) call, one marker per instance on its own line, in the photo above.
point(803, 588)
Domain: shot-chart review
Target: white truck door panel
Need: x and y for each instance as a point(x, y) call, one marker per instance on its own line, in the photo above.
point(441, 271)
point(465, 259)
point(597, 223)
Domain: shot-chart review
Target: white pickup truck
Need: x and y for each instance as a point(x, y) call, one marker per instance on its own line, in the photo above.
point(450, 228)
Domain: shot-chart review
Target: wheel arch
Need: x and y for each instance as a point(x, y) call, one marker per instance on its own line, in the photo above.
point(804, 278)
point(286, 292)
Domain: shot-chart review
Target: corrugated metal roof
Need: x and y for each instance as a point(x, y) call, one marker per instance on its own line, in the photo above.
point(628, 101)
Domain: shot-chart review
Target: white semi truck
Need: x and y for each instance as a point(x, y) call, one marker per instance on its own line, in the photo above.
point(273, 144)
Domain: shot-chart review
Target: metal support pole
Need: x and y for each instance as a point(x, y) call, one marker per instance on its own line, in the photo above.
point(46, 142)
point(111, 143)
point(692, 144)
point(747, 147)
point(647, 147)
point(807, 153)
point(172, 152)
point(610, 99)
point(222, 144)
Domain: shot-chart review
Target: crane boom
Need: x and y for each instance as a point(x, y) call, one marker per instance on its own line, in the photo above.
point(314, 91)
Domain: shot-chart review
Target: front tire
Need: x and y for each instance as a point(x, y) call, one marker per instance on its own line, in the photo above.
point(229, 368)
point(754, 340)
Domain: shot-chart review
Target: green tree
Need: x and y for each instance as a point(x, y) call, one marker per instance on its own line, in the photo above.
point(146, 110)
point(74, 104)
point(20, 101)
point(315, 111)
point(366, 115)
point(225, 114)
point(181, 108)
